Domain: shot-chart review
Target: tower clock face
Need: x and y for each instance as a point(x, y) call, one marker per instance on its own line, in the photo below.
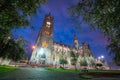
point(48, 23)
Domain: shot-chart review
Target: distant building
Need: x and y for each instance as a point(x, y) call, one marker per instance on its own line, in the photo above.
point(48, 52)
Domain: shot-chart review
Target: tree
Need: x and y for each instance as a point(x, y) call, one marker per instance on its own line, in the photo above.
point(17, 54)
point(104, 15)
point(63, 62)
point(13, 51)
point(74, 58)
point(20, 41)
point(14, 14)
point(83, 62)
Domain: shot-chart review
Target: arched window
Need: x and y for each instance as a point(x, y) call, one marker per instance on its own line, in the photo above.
point(44, 44)
point(43, 55)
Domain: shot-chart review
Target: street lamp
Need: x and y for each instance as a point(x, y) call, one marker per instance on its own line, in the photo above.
point(99, 57)
point(33, 47)
point(102, 56)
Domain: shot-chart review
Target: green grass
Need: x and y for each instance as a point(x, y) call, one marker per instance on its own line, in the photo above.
point(4, 68)
point(62, 70)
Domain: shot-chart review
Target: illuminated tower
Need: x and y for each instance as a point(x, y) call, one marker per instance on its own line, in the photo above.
point(45, 37)
point(44, 43)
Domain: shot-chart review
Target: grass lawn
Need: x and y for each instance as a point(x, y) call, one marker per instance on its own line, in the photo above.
point(62, 70)
point(4, 68)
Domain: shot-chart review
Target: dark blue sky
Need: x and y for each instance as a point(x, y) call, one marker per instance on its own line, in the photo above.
point(64, 28)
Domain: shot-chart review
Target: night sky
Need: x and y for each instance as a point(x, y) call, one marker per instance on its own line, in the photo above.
point(64, 28)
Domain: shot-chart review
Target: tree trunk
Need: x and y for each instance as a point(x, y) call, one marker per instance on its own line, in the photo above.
point(1, 60)
point(75, 67)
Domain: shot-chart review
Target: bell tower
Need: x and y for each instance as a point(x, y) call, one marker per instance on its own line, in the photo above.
point(45, 37)
point(44, 43)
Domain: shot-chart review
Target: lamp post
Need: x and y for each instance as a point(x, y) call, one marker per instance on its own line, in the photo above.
point(33, 47)
point(101, 58)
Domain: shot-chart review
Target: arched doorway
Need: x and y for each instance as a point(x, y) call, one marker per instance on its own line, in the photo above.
point(42, 58)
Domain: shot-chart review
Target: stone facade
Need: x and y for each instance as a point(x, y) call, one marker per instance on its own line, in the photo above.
point(48, 52)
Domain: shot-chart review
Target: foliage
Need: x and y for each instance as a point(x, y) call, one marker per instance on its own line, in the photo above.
point(12, 50)
point(21, 42)
point(73, 61)
point(91, 61)
point(74, 58)
point(63, 61)
point(83, 62)
point(104, 15)
point(14, 14)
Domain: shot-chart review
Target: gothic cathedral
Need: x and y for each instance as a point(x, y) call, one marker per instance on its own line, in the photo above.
point(48, 52)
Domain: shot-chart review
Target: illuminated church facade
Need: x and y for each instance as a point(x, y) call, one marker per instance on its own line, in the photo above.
point(48, 52)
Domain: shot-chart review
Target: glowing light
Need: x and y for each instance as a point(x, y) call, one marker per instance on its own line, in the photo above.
point(33, 47)
point(102, 56)
point(41, 51)
point(48, 23)
point(99, 57)
point(44, 44)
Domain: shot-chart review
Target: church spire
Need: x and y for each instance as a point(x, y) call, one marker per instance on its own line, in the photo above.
point(76, 44)
point(75, 39)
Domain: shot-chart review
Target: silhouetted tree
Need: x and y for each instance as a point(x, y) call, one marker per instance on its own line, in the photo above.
point(13, 51)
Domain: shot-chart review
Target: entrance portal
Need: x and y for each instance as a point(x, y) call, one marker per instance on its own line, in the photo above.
point(43, 58)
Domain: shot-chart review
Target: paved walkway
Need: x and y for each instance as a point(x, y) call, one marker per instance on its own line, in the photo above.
point(40, 74)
